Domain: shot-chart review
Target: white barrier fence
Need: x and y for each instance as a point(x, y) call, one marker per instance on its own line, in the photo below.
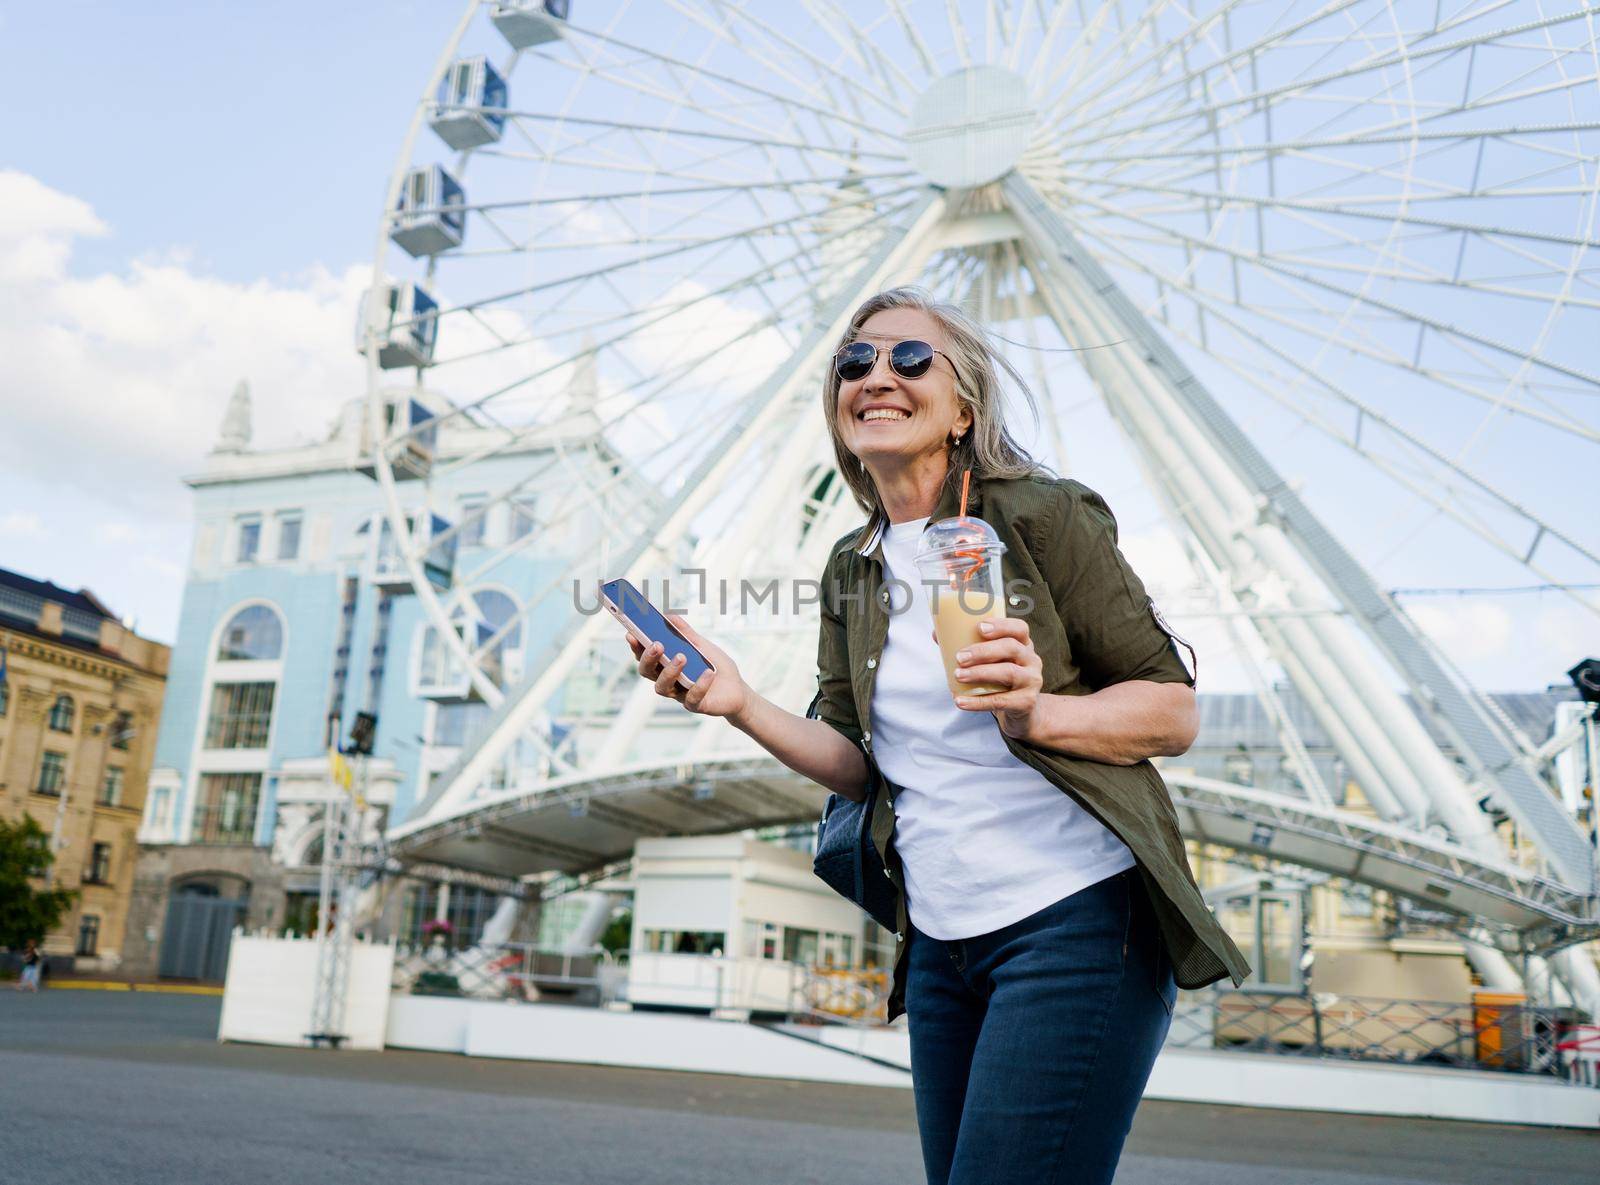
point(267, 996)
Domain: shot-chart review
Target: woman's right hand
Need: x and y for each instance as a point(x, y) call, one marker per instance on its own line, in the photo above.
point(721, 692)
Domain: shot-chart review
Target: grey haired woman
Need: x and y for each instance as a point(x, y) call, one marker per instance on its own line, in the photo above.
point(1047, 909)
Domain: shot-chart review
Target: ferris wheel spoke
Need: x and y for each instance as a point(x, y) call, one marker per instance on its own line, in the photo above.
point(1227, 61)
point(894, 83)
point(1334, 208)
point(728, 113)
point(958, 33)
point(1110, 60)
point(820, 184)
point(1427, 278)
point(1414, 316)
point(1444, 497)
point(852, 87)
point(803, 146)
point(711, 75)
point(1354, 140)
point(1309, 377)
point(1331, 337)
point(1406, 57)
point(817, 89)
point(913, 37)
point(461, 410)
point(653, 257)
point(1445, 501)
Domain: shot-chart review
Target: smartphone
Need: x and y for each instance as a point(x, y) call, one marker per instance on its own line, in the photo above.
point(641, 619)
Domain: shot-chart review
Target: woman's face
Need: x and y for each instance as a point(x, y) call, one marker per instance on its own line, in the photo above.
point(912, 417)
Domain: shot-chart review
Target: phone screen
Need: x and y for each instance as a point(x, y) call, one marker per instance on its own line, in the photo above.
point(643, 614)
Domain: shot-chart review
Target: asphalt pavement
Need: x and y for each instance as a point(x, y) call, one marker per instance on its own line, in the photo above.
point(133, 1088)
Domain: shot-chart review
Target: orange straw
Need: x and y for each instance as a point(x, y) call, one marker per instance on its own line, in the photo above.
point(976, 554)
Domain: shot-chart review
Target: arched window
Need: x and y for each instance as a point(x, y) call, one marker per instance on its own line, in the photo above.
point(62, 713)
point(254, 634)
point(498, 609)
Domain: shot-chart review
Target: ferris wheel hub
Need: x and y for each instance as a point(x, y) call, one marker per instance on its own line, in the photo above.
point(970, 127)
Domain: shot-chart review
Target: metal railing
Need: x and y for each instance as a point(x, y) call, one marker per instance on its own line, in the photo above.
point(1515, 1038)
point(505, 971)
point(841, 995)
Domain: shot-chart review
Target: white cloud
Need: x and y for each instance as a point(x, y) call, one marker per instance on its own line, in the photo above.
point(1468, 631)
point(37, 227)
point(125, 374)
point(21, 524)
point(1161, 563)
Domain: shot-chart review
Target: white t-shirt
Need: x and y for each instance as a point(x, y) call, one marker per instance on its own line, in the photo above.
point(985, 839)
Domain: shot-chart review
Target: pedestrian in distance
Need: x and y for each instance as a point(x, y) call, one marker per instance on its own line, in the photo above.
point(32, 967)
point(1047, 911)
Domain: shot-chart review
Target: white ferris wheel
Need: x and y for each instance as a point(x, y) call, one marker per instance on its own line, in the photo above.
point(1327, 269)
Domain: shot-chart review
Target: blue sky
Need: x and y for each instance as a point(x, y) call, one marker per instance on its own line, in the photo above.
point(228, 150)
point(188, 196)
point(258, 136)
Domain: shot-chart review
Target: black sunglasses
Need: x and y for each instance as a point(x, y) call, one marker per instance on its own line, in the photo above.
point(908, 359)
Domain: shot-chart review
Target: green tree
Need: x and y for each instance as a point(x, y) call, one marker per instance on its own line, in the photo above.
point(26, 912)
point(619, 932)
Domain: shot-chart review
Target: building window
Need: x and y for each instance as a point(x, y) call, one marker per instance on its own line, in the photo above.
point(88, 934)
point(5, 696)
point(686, 942)
point(300, 911)
point(255, 634)
point(760, 940)
point(249, 540)
point(523, 518)
point(838, 950)
point(160, 804)
point(241, 716)
point(111, 788)
point(1238, 769)
point(800, 946)
point(62, 713)
point(226, 812)
point(473, 514)
point(1269, 926)
point(289, 536)
point(122, 731)
point(52, 772)
point(454, 723)
point(99, 872)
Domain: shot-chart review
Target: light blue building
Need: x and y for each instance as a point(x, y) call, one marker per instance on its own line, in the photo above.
point(297, 615)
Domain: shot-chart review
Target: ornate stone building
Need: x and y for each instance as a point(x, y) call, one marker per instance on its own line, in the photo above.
point(79, 704)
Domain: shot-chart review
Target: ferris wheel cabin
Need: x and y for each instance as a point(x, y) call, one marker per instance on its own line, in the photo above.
point(442, 678)
point(468, 108)
point(406, 323)
point(431, 214)
point(412, 436)
point(530, 23)
point(432, 538)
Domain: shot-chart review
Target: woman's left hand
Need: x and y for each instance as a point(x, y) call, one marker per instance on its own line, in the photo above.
point(1005, 657)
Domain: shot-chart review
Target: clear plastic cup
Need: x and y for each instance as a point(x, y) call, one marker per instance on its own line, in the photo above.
point(958, 562)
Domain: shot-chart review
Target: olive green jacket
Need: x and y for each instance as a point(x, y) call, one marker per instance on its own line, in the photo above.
point(1093, 625)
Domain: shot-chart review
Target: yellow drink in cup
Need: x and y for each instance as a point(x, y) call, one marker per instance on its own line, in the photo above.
point(958, 561)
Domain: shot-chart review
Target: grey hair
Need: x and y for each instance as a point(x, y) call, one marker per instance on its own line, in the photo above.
point(986, 448)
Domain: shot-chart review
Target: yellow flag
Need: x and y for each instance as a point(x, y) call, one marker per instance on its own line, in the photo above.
point(340, 770)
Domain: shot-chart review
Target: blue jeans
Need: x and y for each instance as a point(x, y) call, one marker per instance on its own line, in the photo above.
point(1030, 1046)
